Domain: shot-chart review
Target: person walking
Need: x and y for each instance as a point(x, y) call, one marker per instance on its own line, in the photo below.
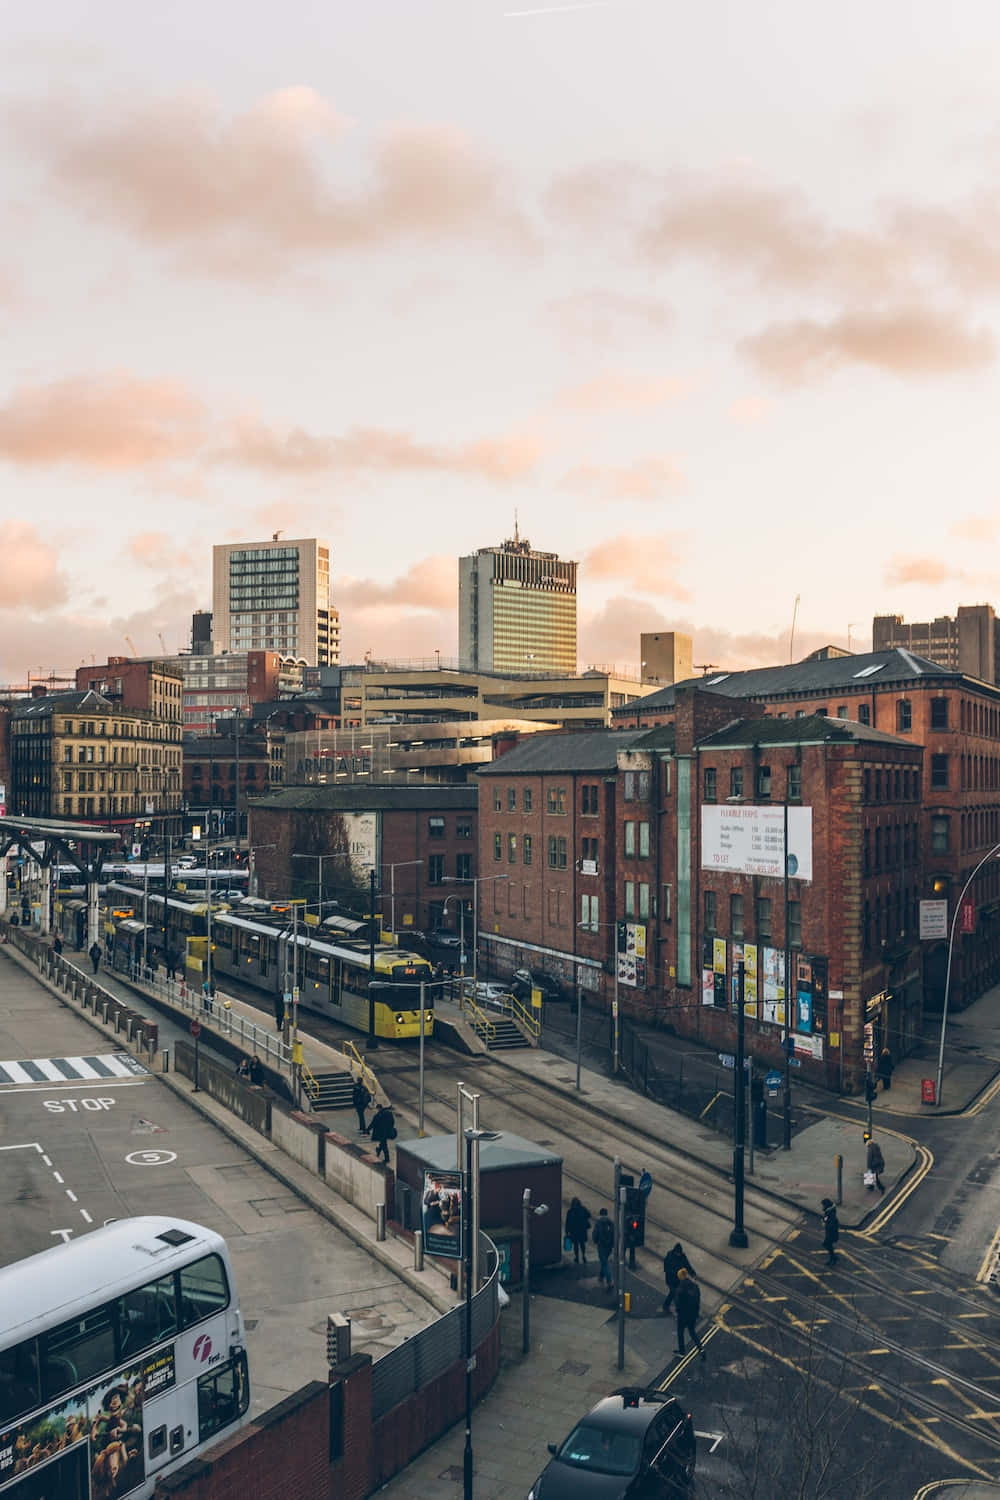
point(688, 1308)
point(383, 1130)
point(95, 955)
point(279, 1010)
point(876, 1166)
point(604, 1239)
point(57, 945)
point(361, 1098)
point(577, 1230)
point(831, 1231)
point(674, 1262)
point(885, 1068)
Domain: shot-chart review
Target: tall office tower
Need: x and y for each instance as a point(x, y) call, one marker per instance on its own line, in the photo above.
point(516, 610)
point(968, 641)
point(275, 596)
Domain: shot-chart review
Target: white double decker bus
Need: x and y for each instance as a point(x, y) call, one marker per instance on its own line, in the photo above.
point(121, 1356)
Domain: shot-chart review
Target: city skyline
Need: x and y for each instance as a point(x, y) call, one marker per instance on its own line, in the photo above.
point(708, 302)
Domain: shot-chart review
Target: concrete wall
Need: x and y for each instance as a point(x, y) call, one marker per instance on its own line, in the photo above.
point(300, 1137)
point(354, 1174)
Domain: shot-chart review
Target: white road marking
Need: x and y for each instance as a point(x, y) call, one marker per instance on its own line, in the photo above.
point(55, 1174)
point(151, 1158)
point(46, 1160)
point(85, 1216)
point(71, 1195)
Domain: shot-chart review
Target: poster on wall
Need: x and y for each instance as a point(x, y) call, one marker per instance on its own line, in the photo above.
point(441, 1214)
point(750, 840)
point(820, 993)
point(631, 959)
point(719, 955)
point(773, 996)
point(803, 995)
point(750, 979)
point(708, 986)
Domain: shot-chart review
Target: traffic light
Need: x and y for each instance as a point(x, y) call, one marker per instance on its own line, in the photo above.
point(635, 1217)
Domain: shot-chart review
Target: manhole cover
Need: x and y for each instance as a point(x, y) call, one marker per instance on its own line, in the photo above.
point(269, 1208)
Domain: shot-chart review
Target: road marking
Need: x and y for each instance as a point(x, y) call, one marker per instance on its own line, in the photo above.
point(55, 1174)
point(985, 1098)
point(85, 1216)
point(686, 1359)
point(714, 1437)
point(150, 1158)
point(988, 1268)
point(70, 1069)
point(925, 1163)
point(71, 1195)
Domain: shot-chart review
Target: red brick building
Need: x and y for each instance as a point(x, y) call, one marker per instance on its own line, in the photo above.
point(420, 840)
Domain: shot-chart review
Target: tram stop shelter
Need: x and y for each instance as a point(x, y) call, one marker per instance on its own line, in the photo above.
point(507, 1166)
point(47, 842)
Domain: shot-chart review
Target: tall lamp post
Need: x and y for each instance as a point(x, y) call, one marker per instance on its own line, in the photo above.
point(738, 1234)
point(475, 882)
point(947, 975)
point(398, 864)
point(472, 1137)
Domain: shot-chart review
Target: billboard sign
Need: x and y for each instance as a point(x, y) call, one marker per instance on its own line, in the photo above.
point(750, 840)
point(441, 1214)
point(933, 919)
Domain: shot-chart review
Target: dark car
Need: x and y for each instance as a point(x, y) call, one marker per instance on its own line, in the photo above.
point(634, 1445)
point(442, 939)
point(523, 981)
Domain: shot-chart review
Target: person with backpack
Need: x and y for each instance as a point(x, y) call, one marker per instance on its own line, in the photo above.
point(383, 1130)
point(577, 1230)
point(674, 1262)
point(604, 1239)
point(831, 1231)
point(688, 1308)
point(361, 1098)
point(876, 1166)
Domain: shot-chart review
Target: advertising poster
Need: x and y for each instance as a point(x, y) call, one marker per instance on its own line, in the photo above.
point(719, 988)
point(750, 840)
point(719, 955)
point(820, 991)
point(773, 998)
point(750, 979)
point(735, 979)
point(441, 1214)
point(803, 994)
point(707, 987)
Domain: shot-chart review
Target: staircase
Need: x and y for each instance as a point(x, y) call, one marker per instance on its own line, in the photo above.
point(333, 1091)
point(503, 1035)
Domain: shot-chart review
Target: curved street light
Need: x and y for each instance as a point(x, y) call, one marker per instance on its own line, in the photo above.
point(947, 974)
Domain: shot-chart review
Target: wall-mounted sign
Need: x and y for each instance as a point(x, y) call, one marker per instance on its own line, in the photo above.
point(750, 840)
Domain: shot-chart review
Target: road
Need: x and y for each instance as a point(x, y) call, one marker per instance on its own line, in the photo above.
point(80, 1151)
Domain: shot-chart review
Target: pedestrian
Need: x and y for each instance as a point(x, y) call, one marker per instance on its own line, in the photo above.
point(604, 1238)
point(208, 994)
point(688, 1308)
point(383, 1130)
point(279, 1010)
point(256, 1073)
point(57, 945)
point(876, 1166)
point(831, 1231)
point(577, 1230)
point(243, 1071)
point(361, 1098)
point(885, 1067)
point(674, 1262)
point(95, 955)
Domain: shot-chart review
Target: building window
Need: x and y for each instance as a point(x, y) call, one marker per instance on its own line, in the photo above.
point(497, 846)
point(588, 850)
point(553, 853)
point(795, 783)
point(557, 799)
point(736, 781)
point(795, 924)
point(435, 827)
point(512, 799)
point(526, 799)
point(497, 801)
point(463, 828)
point(630, 898)
point(864, 714)
point(463, 866)
point(512, 848)
point(763, 783)
point(589, 912)
point(643, 900)
point(842, 711)
point(709, 784)
point(589, 799)
point(940, 827)
point(904, 716)
point(643, 840)
point(736, 916)
point(939, 713)
point(763, 919)
point(668, 904)
point(711, 916)
point(636, 786)
point(526, 849)
point(435, 869)
point(561, 851)
point(629, 840)
point(939, 770)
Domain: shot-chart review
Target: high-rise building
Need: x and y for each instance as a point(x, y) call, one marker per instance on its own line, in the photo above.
point(969, 642)
point(275, 596)
point(516, 610)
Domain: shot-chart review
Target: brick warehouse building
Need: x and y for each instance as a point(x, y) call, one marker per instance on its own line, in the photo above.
point(420, 840)
point(957, 719)
point(605, 833)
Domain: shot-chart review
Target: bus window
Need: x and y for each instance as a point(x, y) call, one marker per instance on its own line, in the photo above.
point(18, 1380)
point(203, 1290)
point(148, 1315)
point(77, 1351)
point(223, 1396)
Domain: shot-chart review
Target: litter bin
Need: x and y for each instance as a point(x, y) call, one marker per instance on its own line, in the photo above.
point(928, 1091)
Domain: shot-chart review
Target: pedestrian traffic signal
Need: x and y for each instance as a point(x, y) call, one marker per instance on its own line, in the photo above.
point(635, 1217)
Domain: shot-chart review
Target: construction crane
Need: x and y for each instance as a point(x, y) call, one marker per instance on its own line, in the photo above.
point(131, 642)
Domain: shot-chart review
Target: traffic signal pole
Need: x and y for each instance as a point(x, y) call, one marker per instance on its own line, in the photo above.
point(738, 1234)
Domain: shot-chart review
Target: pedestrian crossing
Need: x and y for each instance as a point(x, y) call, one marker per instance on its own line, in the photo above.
point(70, 1069)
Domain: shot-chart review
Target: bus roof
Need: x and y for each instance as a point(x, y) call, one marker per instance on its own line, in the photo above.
point(55, 1284)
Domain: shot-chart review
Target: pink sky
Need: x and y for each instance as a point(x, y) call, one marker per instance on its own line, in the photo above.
point(705, 296)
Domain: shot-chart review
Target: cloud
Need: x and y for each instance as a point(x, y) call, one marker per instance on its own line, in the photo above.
point(923, 570)
point(646, 479)
point(431, 583)
point(647, 563)
point(151, 549)
point(66, 638)
point(608, 319)
point(30, 576)
point(903, 343)
point(975, 529)
point(249, 194)
point(625, 392)
point(100, 422)
point(748, 411)
point(376, 450)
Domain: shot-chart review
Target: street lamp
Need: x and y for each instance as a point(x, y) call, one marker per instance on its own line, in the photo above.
point(398, 864)
point(947, 975)
point(738, 1234)
point(475, 882)
point(472, 1137)
point(527, 1214)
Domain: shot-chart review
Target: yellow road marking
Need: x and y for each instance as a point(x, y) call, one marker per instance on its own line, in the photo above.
point(976, 1315)
point(985, 1098)
point(990, 1259)
point(709, 1334)
point(925, 1163)
point(771, 1256)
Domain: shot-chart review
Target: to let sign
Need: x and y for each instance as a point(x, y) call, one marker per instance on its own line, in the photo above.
point(968, 916)
point(933, 919)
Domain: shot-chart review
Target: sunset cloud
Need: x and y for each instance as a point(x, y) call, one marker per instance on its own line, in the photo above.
point(100, 422)
point(899, 571)
point(431, 583)
point(975, 529)
point(30, 576)
point(246, 193)
point(622, 392)
point(151, 549)
point(649, 564)
point(646, 479)
point(608, 319)
point(902, 343)
point(613, 635)
point(376, 450)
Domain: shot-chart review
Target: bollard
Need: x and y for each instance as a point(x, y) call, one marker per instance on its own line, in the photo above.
point(840, 1179)
point(380, 1221)
point(418, 1250)
point(165, 1054)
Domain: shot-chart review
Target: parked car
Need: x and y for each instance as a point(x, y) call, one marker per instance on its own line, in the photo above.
point(634, 1445)
point(442, 939)
point(487, 993)
point(523, 981)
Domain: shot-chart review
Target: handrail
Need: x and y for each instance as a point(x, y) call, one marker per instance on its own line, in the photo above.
point(365, 1073)
point(480, 1020)
point(523, 1016)
point(309, 1081)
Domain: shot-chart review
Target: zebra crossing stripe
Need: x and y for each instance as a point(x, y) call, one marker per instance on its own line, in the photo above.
point(70, 1069)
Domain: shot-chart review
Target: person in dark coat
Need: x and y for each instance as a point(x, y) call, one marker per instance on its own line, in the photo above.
point(361, 1098)
point(57, 945)
point(876, 1165)
point(688, 1308)
point(279, 1009)
point(831, 1231)
point(256, 1073)
point(674, 1262)
point(382, 1130)
point(95, 955)
point(577, 1229)
point(885, 1067)
point(604, 1239)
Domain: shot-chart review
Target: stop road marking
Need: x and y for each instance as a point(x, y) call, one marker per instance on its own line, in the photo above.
point(59, 1106)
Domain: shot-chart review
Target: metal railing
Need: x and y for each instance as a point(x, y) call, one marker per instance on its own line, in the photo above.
point(479, 1020)
point(529, 1019)
point(364, 1071)
point(309, 1081)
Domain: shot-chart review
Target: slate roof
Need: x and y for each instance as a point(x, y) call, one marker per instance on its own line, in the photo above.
point(811, 729)
point(569, 750)
point(371, 796)
point(61, 703)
